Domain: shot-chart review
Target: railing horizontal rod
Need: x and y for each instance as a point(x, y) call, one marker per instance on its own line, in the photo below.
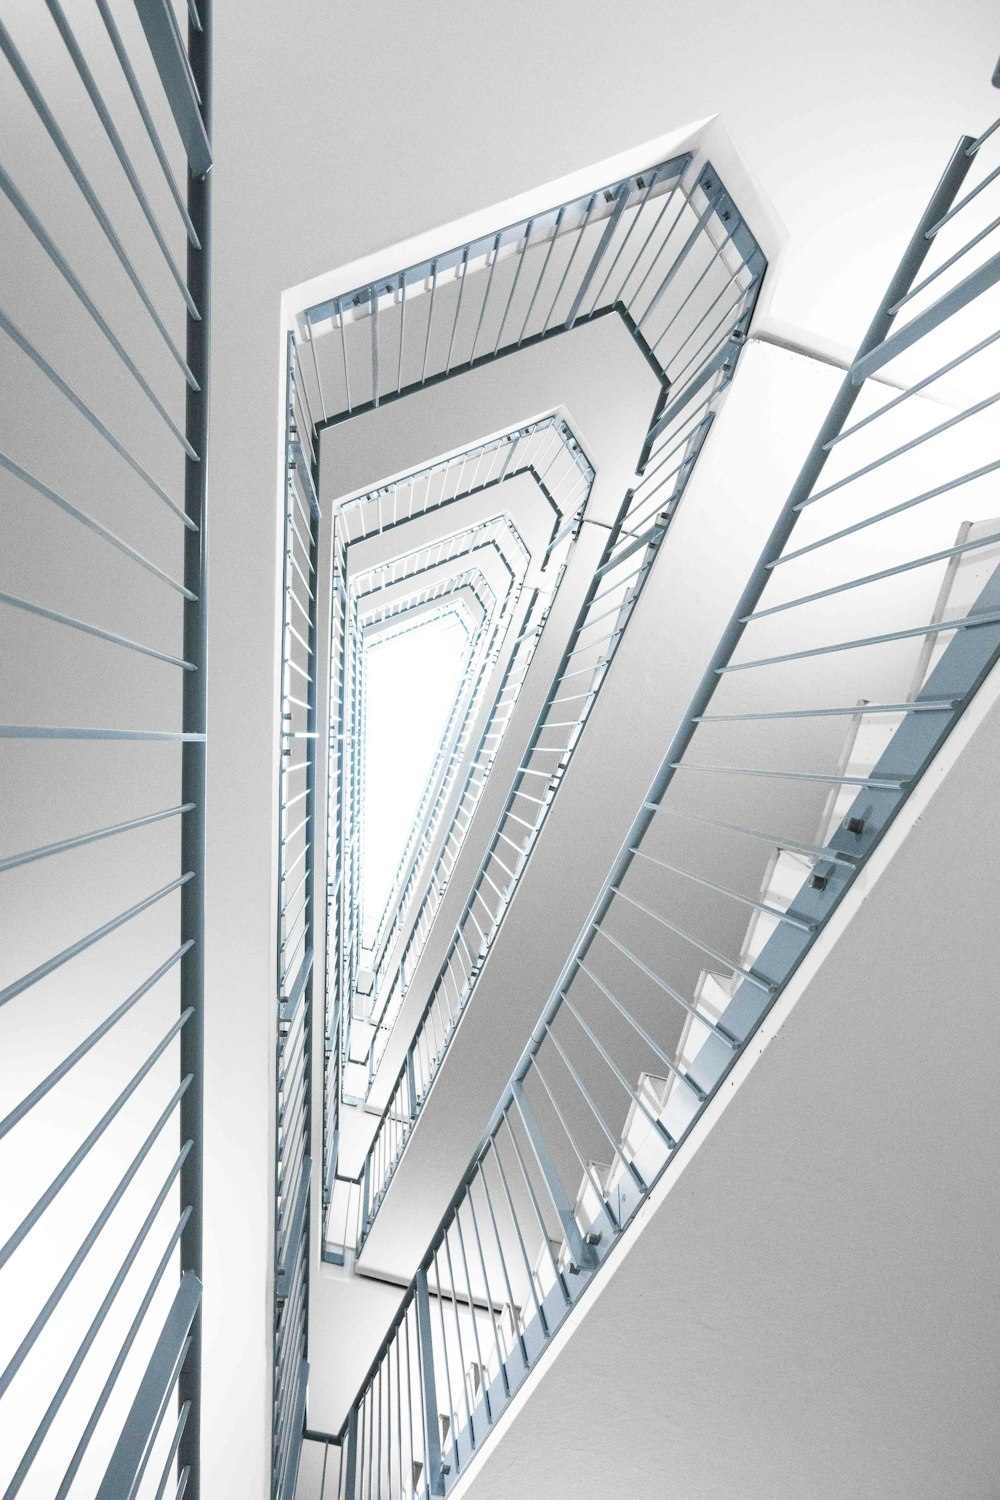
point(748, 974)
point(44, 851)
point(883, 515)
point(25, 982)
point(899, 452)
point(667, 989)
point(883, 783)
point(815, 851)
point(934, 627)
point(853, 710)
point(72, 1058)
point(63, 1284)
point(912, 390)
point(956, 208)
point(856, 583)
point(88, 414)
point(13, 601)
point(77, 514)
point(62, 265)
point(65, 1173)
point(79, 177)
point(711, 885)
point(641, 1031)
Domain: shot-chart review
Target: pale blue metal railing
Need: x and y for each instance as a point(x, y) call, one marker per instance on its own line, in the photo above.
point(495, 537)
point(635, 247)
point(471, 582)
point(638, 1035)
point(536, 451)
point(393, 992)
point(563, 477)
point(423, 582)
point(670, 254)
point(633, 544)
point(105, 334)
point(296, 929)
point(416, 843)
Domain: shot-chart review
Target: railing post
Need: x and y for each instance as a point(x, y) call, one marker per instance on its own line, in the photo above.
point(581, 1254)
point(411, 1082)
point(351, 1457)
point(195, 710)
point(432, 1435)
point(365, 1197)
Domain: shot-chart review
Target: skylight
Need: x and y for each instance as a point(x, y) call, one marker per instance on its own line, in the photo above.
point(411, 682)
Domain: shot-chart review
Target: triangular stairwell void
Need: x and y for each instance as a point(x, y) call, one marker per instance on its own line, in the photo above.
point(412, 683)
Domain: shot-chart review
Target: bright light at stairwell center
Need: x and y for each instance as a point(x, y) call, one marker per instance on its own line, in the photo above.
point(411, 681)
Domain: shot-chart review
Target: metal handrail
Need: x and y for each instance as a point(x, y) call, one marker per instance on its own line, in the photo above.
point(619, 271)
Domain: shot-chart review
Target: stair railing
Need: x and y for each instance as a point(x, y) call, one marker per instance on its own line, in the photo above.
point(885, 563)
point(106, 339)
